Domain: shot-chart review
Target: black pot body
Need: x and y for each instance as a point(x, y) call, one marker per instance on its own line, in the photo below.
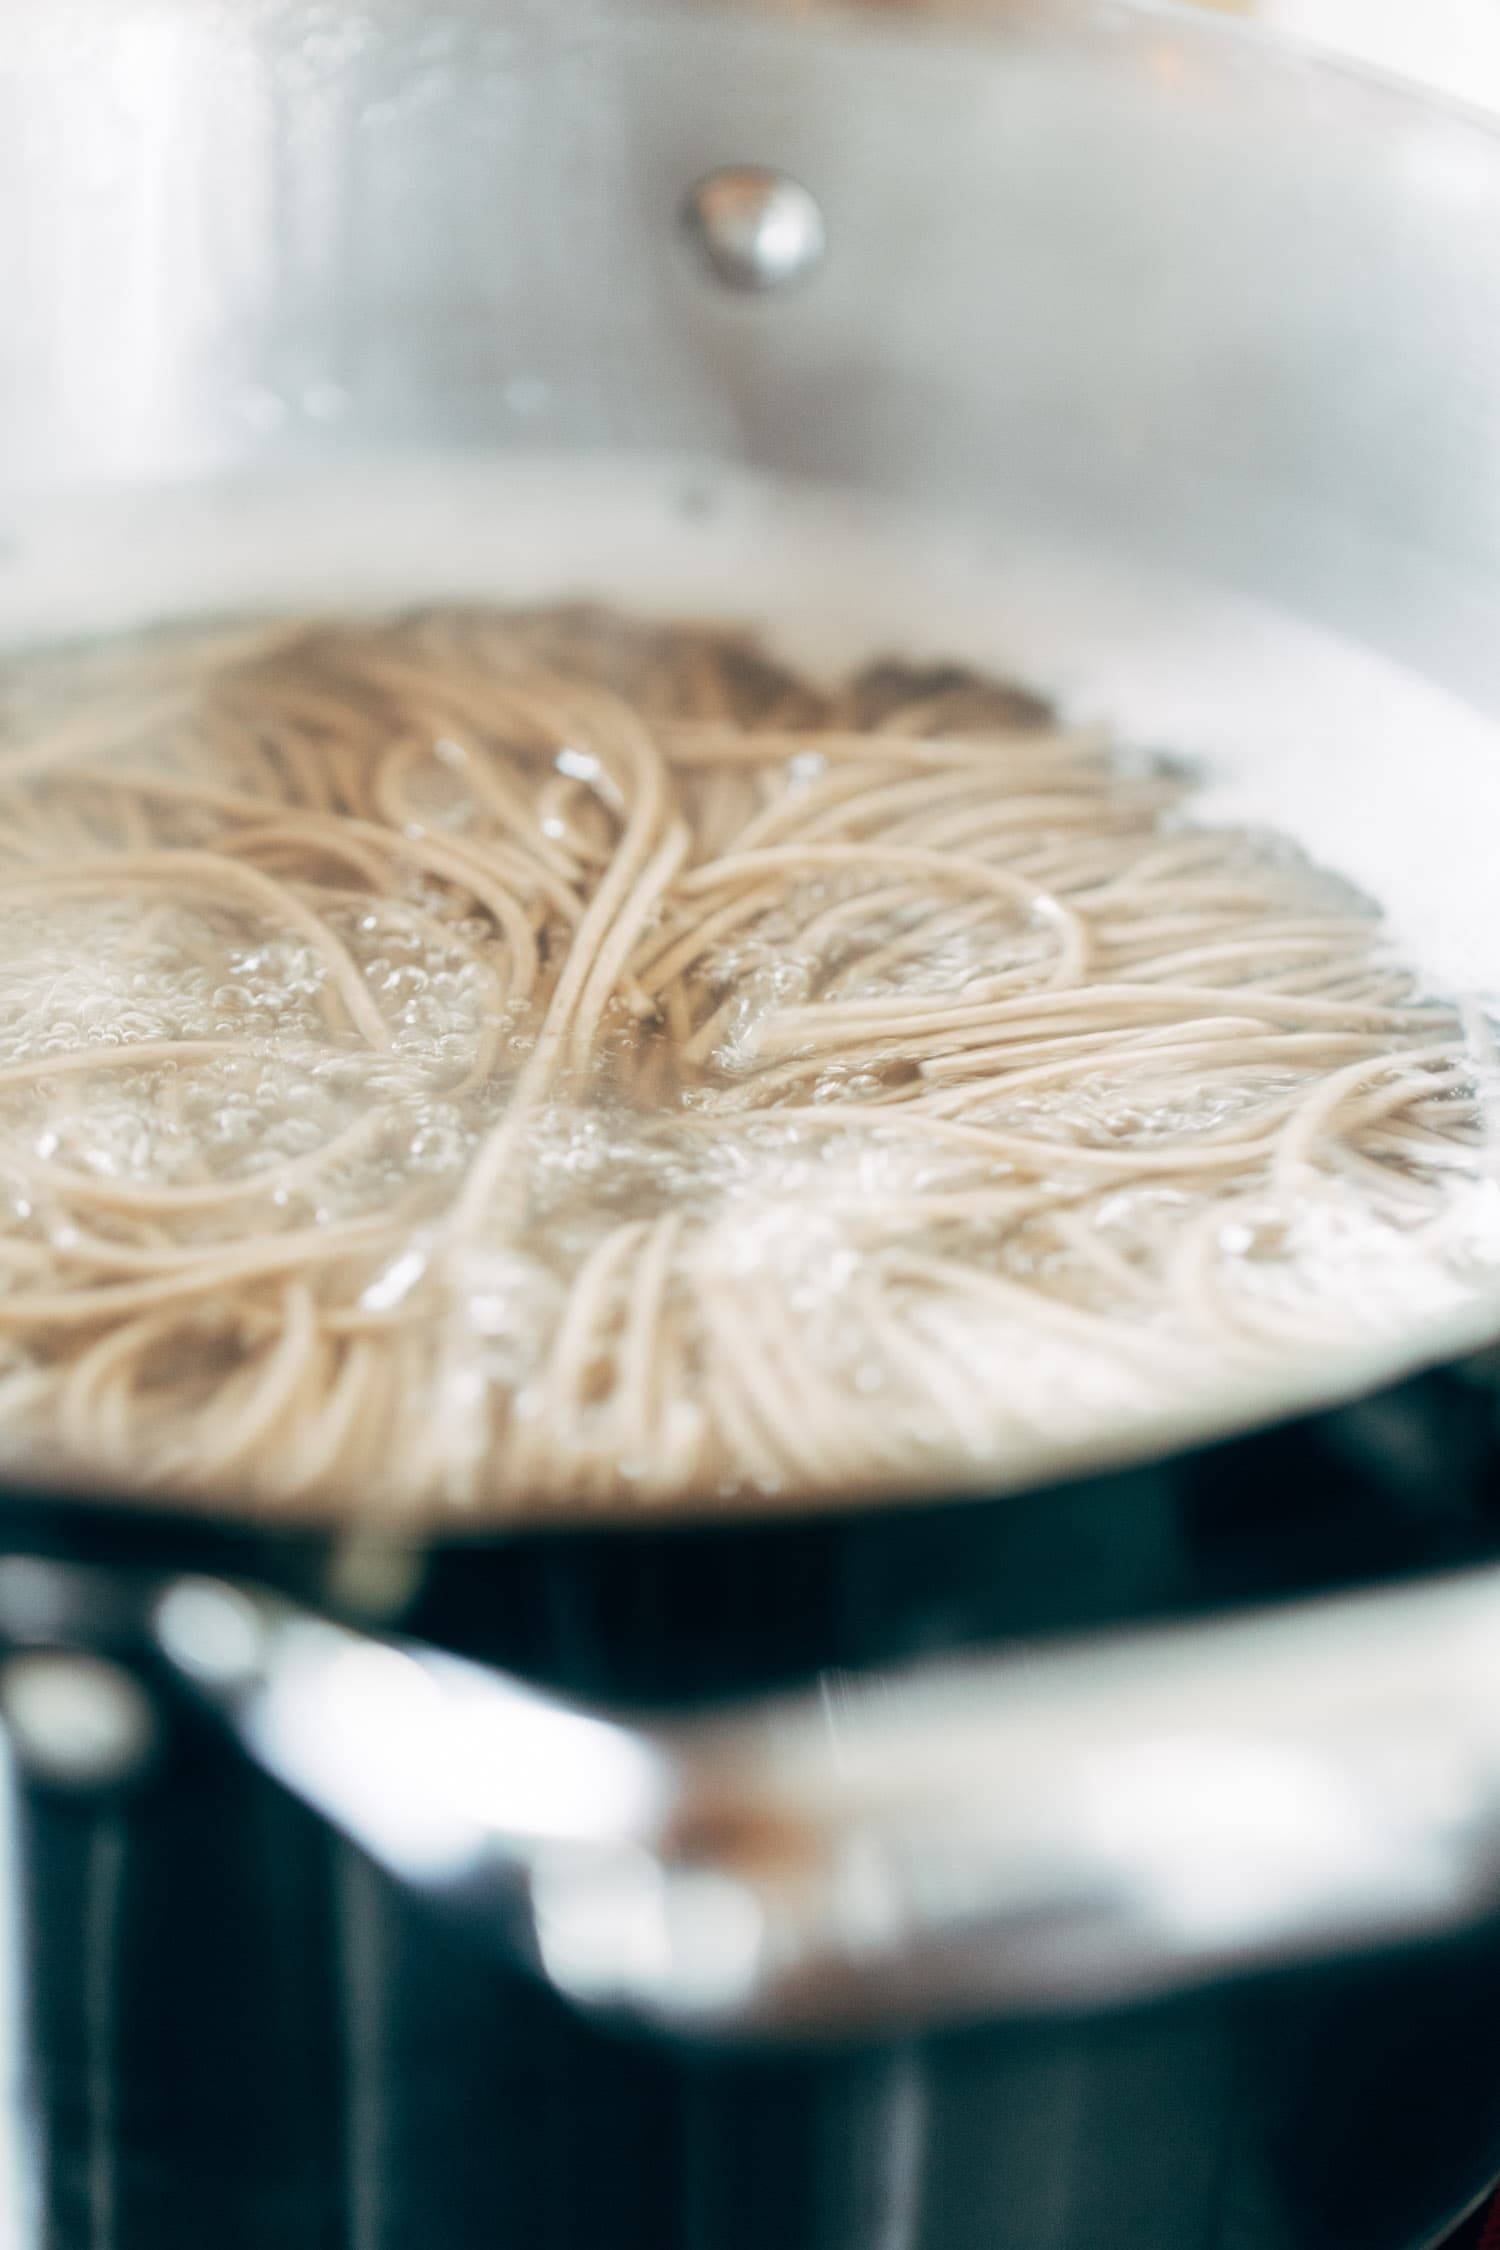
point(236, 2030)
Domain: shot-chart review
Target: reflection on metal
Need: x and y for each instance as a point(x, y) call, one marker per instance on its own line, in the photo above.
point(1066, 1827)
point(611, 1924)
point(46, 1604)
point(20, 2168)
point(76, 1721)
point(37, 1601)
point(100, 1934)
point(210, 1632)
point(756, 229)
point(372, 1575)
point(366, 1977)
point(425, 1759)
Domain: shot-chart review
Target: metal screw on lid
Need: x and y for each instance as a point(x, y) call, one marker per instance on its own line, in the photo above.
point(76, 1721)
point(756, 229)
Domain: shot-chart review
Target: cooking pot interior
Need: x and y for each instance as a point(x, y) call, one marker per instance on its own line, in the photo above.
point(1144, 359)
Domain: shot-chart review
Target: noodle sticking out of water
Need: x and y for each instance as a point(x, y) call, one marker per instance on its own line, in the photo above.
point(499, 1061)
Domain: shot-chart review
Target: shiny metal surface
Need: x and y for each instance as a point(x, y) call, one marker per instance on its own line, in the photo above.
point(75, 1720)
point(1252, 335)
point(755, 229)
point(1050, 1828)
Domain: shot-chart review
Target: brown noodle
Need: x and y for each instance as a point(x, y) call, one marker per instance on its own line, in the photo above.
point(488, 1060)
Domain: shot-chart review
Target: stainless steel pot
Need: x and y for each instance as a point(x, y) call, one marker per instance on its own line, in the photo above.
point(762, 1882)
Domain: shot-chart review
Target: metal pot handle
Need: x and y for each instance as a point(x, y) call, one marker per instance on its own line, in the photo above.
point(1062, 1827)
point(1067, 1826)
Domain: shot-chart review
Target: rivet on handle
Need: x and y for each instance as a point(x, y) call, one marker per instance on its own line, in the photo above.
point(756, 229)
point(77, 1721)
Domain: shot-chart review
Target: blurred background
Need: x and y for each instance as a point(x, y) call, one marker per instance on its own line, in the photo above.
point(1450, 45)
point(1453, 44)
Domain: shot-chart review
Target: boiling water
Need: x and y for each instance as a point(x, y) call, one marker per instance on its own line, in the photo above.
point(678, 1291)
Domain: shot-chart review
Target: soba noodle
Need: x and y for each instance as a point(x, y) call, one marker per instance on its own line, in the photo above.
point(497, 1061)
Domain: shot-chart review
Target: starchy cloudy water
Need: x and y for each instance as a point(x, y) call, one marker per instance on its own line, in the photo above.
point(501, 1060)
